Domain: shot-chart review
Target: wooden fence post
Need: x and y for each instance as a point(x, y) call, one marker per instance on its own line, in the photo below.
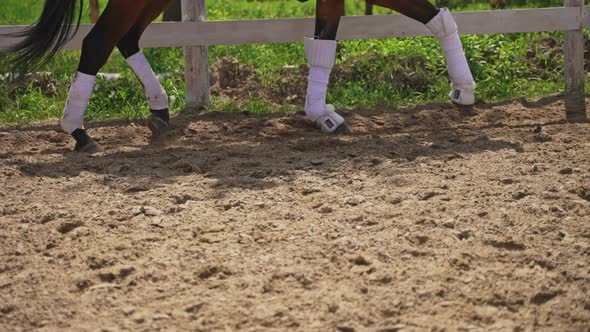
point(368, 9)
point(573, 47)
point(94, 11)
point(196, 60)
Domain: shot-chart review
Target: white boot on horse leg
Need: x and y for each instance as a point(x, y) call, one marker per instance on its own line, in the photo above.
point(72, 121)
point(443, 27)
point(157, 98)
point(321, 55)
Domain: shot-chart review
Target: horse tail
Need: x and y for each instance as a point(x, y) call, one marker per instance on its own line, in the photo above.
point(43, 39)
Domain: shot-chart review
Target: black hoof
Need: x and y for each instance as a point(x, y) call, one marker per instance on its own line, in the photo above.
point(463, 105)
point(90, 148)
point(467, 108)
point(85, 143)
point(158, 122)
point(343, 129)
point(157, 126)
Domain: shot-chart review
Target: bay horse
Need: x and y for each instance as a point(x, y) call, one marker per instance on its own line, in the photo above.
point(123, 22)
point(321, 52)
point(120, 25)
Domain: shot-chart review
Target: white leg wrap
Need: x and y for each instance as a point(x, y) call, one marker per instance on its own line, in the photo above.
point(78, 99)
point(463, 94)
point(443, 27)
point(330, 120)
point(156, 95)
point(320, 55)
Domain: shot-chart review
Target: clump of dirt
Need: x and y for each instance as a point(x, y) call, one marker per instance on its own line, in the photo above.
point(293, 84)
point(236, 81)
point(404, 74)
point(229, 73)
point(43, 82)
point(545, 55)
point(231, 79)
point(582, 192)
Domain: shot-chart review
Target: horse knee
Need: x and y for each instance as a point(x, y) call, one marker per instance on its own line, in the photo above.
point(95, 53)
point(129, 44)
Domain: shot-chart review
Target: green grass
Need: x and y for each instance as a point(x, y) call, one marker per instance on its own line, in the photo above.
point(499, 63)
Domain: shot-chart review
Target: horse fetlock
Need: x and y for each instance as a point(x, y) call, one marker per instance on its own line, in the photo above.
point(70, 123)
point(157, 100)
point(463, 94)
point(331, 122)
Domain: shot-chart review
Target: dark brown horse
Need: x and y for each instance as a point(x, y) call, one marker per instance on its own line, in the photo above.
point(172, 14)
point(120, 25)
point(123, 22)
point(321, 51)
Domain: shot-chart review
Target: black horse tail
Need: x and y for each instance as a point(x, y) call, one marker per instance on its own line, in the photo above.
point(45, 37)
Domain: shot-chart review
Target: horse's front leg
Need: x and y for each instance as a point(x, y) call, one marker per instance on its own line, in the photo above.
point(443, 26)
point(118, 17)
point(321, 53)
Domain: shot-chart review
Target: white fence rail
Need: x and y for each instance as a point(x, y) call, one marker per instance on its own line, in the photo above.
point(195, 34)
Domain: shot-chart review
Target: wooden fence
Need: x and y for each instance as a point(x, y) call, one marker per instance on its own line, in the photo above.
point(195, 34)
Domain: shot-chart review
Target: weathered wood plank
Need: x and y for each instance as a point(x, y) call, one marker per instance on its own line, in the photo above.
point(352, 27)
point(573, 68)
point(196, 60)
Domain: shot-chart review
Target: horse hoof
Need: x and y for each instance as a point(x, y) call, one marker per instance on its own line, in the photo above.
point(343, 129)
point(332, 123)
point(90, 147)
point(85, 143)
point(157, 126)
point(467, 108)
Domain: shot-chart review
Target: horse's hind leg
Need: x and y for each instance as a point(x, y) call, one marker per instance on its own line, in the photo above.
point(129, 47)
point(115, 21)
point(443, 26)
point(321, 53)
